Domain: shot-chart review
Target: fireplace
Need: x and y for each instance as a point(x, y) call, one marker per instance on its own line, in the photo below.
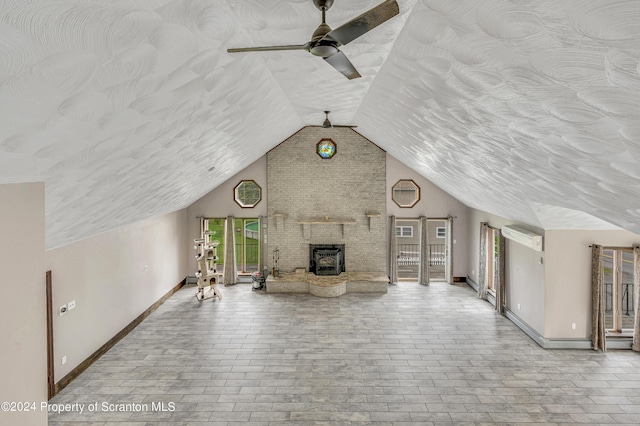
point(326, 259)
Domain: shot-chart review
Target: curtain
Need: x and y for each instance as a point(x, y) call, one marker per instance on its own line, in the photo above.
point(597, 299)
point(500, 284)
point(482, 268)
point(449, 249)
point(393, 252)
point(423, 273)
point(636, 291)
point(262, 225)
point(230, 275)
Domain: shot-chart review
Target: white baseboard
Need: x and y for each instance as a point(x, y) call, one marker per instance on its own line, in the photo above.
point(612, 343)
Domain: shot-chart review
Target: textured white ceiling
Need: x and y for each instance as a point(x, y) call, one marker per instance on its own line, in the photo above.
point(525, 109)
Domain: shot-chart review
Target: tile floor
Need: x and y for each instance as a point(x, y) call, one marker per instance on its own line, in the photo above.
point(417, 355)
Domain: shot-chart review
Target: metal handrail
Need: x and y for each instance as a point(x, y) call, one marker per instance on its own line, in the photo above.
point(409, 254)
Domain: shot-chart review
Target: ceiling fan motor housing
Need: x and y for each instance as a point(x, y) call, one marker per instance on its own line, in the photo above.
point(321, 46)
point(323, 4)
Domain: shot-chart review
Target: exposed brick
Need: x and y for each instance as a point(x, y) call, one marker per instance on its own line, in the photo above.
point(302, 185)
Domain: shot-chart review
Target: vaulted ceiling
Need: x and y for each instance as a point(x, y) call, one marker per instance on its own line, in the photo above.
point(526, 109)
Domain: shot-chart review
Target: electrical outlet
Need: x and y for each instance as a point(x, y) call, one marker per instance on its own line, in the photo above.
point(518, 306)
point(146, 268)
point(71, 305)
point(63, 310)
point(64, 360)
point(573, 325)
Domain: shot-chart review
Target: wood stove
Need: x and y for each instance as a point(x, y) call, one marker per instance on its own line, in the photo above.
point(326, 259)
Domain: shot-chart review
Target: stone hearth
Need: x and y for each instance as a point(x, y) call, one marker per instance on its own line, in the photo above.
point(301, 281)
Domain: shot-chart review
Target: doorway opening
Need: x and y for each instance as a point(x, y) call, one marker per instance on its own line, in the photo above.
point(437, 249)
point(408, 232)
point(246, 238)
point(408, 249)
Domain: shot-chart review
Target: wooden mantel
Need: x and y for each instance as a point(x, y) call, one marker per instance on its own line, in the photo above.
point(326, 220)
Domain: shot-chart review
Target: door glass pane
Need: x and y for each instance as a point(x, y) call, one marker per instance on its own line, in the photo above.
point(215, 234)
point(408, 261)
point(627, 302)
point(437, 250)
point(247, 233)
point(608, 269)
point(251, 244)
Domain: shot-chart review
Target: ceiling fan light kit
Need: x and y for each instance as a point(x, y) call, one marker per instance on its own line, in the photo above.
point(325, 42)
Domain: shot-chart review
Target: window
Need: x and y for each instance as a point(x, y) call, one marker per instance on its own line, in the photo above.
point(326, 148)
point(441, 232)
point(405, 193)
point(619, 299)
point(247, 194)
point(404, 231)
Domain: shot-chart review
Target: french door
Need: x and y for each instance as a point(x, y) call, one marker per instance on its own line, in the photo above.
point(246, 237)
point(408, 248)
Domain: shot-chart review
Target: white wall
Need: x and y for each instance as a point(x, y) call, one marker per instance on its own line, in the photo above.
point(568, 278)
point(113, 277)
point(23, 358)
point(524, 275)
point(220, 203)
point(525, 284)
point(434, 203)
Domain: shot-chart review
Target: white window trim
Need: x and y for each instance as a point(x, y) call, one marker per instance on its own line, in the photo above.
point(402, 231)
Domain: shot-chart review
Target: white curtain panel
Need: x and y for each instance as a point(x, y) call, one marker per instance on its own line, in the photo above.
point(230, 275)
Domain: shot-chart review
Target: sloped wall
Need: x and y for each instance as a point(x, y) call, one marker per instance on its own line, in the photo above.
point(302, 186)
point(113, 277)
point(23, 323)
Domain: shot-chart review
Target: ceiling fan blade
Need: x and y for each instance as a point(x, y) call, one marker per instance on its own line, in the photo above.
point(340, 62)
point(268, 48)
point(365, 22)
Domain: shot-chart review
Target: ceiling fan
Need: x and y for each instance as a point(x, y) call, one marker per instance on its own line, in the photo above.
point(325, 41)
point(327, 124)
